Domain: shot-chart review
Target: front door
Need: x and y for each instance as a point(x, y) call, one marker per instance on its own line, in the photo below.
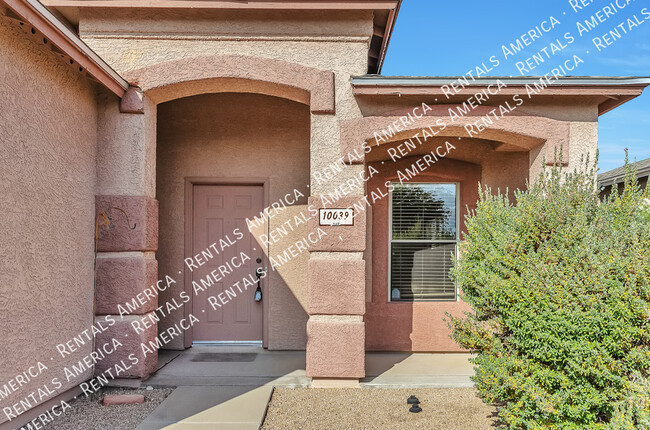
point(218, 211)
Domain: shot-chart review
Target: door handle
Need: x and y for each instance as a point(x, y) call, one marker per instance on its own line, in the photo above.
point(258, 290)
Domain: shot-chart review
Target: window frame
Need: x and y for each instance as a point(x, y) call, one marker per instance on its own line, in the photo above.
point(391, 240)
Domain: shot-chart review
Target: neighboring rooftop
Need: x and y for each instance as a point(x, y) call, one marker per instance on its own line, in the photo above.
point(617, 175)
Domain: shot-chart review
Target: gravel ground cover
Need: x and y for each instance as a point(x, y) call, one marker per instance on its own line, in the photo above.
point(88, 413)
point(329, 408)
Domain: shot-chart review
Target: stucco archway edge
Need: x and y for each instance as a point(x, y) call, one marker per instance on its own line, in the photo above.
point(233, 73)
point(523, 131)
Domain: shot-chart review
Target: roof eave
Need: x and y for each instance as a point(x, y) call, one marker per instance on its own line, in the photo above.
point(617, 90)
point(68, 42)
point(232, 4)
point(390, 25)
point(438, 81)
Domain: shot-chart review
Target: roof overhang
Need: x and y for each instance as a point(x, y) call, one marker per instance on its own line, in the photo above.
point(383, 30)
point(65, 40)
point(610, 92)
point(233, 4)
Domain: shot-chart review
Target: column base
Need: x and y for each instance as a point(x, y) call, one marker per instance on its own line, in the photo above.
point(129, 359)
point(335, 347)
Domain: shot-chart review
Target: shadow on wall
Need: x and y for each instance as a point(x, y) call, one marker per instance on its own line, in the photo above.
point(232, 135)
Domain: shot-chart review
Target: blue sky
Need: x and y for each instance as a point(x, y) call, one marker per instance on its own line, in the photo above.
point(442, 38)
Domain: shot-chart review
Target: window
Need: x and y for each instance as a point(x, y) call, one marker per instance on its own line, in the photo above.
point(423, 236)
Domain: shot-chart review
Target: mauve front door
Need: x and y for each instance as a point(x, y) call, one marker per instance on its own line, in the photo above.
point(219, 213)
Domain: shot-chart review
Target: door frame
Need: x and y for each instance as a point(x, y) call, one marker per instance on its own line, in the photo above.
point(190, 182)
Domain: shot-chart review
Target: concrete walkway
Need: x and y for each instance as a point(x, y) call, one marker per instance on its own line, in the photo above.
point(223, 387)
point(233, 366)
point(229, 387)
point(417, 370)
point(199, 407)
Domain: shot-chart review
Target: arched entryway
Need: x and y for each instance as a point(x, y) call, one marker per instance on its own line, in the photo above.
point(223, 158)
point(220, 122)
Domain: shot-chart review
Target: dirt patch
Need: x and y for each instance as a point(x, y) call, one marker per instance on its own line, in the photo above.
point(88, 413)
point(442, 408)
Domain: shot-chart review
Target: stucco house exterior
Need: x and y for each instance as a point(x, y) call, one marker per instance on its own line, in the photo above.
point(250, 177)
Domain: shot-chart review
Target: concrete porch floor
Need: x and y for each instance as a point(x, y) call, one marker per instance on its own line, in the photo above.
point(228, 387)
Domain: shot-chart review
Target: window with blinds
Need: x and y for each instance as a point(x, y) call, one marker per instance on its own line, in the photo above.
point(423, 235)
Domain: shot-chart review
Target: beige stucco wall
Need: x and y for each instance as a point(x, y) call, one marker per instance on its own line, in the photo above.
point(126, 148)
point(237, 136)
point(47, 195)
point(326, 40)
point(582, 117)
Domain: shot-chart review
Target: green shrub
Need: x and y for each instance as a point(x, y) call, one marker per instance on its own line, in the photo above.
point(559, 284)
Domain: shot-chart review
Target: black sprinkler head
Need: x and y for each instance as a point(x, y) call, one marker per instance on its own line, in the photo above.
point(415, 408)
point(412, 400)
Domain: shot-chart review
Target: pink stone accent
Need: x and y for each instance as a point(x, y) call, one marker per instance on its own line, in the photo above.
point(340, 238)
point(125, 333)
point(120, 280)
point(337, 287)
point(142, 211)
point(523, 131)
point(335, 349)
point(132, 101)
point(123, 399)
point(315, 86)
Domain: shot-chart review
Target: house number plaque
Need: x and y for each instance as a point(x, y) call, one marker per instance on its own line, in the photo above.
point(336, 216)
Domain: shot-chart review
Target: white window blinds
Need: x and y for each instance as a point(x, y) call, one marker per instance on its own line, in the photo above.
point(423, 241)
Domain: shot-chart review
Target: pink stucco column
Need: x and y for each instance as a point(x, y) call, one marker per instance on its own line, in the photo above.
point(126, 264)
point(335, 330)
point(125, 268)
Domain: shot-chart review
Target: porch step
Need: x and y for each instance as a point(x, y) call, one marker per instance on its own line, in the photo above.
point(291, 381)
point(232, 367)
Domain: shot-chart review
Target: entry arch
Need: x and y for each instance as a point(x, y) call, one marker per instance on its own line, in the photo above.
point(519, 130)
point(176, 79)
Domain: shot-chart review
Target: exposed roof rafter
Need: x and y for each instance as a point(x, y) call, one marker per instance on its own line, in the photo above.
point(65, 40)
